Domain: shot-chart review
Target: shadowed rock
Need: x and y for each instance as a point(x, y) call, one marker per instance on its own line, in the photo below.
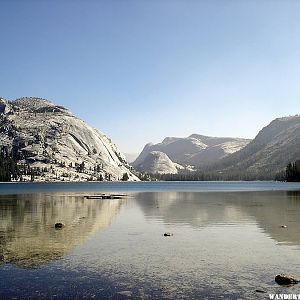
point(168, 234)
point(286, 279)
point(59, 225)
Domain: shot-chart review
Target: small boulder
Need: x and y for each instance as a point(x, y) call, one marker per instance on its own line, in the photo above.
point(168, 234)
point(59, 225)
point(283, 226)
point(286, 279)
point(1, 258)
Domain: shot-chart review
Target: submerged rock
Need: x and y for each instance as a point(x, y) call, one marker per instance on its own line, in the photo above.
point(59, 225)
point(286, 279)
point(1, 258)
point(260, 291)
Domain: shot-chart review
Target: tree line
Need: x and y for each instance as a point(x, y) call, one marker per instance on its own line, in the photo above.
point(204, 176)
point(292, 172)
point(12, 170)
point(8, 169)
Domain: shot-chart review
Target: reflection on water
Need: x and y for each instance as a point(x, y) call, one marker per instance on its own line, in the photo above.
point(226, 245)
point(195, 209)
point(268, 210)
point(27, 234)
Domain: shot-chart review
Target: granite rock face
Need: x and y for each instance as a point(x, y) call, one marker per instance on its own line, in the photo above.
point(157, 162)
point(59, 144)
point(192, 151)
point(269, 152)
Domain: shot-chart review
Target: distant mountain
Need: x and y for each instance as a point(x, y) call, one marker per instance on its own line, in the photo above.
point(131, 157)
point(272, 149)
point(157, 162)
point(195, 150)
point(57, 144)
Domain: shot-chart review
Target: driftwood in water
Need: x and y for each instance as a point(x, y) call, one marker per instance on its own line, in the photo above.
point(106, 196)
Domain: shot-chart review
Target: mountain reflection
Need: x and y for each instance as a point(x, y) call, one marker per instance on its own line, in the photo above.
point(268, 210)
point(27, 234)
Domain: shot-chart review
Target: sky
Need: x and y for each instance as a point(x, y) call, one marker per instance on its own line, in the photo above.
point(143, 70)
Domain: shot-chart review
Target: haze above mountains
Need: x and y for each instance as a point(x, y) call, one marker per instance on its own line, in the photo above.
point(49, 137)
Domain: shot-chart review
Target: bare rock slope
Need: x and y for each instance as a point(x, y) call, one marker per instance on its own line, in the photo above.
point(51, 139)
point(195, 150)
point(273, 148)
point(158, 162)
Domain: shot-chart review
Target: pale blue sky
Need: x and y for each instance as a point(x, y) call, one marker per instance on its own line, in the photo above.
point(142, 70)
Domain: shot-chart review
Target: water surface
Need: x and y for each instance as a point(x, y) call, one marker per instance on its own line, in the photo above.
point(150, 186)
point(225, 244)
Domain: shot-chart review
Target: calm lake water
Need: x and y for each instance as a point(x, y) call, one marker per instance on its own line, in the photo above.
point(227, 240)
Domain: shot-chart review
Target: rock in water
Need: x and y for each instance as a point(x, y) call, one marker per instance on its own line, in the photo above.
point(57, 144)
point(286, 279)
point(168, 234)
point(59, 225)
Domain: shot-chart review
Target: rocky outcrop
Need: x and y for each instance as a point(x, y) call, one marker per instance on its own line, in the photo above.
point(57, 144)
point(157, 162)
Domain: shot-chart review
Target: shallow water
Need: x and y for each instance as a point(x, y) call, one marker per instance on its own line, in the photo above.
point(225, 245)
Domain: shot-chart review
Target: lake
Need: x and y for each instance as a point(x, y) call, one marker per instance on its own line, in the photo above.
point(227, 240)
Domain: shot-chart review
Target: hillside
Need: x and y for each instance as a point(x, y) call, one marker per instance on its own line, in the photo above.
point(194, 150)
point(57, 144)
point(272, 149)
point(158, 162)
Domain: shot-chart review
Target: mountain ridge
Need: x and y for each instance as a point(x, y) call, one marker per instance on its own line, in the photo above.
point(264, 157)
point(269, 152)
point(48, 136)
point(193, 150)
